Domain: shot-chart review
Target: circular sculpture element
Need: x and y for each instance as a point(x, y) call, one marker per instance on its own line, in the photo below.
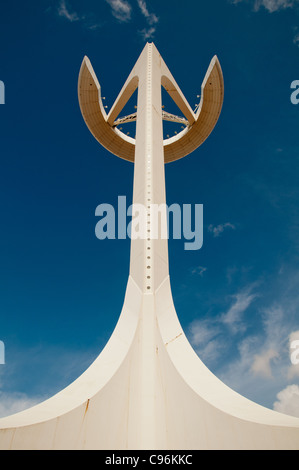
point(199, 125)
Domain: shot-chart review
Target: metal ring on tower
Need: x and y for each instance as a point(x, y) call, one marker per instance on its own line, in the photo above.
point(199, 125)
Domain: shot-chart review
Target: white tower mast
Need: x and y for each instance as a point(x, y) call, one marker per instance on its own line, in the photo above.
point(148, 389)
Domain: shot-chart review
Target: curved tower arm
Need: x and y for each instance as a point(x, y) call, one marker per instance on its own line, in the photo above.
point(104, 128)
point(93, 112)
point(207, 115)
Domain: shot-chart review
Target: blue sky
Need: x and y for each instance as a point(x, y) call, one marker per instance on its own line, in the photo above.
point(61, 289)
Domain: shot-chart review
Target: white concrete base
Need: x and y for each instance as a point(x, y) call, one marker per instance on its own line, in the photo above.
point(148, 390)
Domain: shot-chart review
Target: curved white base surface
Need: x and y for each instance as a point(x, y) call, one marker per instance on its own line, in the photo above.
point(148, 390)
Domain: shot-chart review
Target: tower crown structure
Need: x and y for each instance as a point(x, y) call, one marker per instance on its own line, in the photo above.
point(198, 126)
point(148, 389)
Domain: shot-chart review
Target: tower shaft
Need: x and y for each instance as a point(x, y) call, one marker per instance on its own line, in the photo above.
point(149, 255)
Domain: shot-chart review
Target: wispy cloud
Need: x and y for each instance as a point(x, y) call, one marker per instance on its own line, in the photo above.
point(293, 370)
point(121, 10)
point(88, 21)
point(11, 403)
point(202, 331)
point(296, 37)
point(251, 353)
point(204, 337)
point(147, 33)
point(274, 5)
point(288, 401)
point(64, 11)
point(151, 18)
point(273, 343)
point(198, 270)
point(207, 335)
point(55, 366)
point(233, 318)
point(270, 5)
point(262, 363)
point(235, 371)
point(217, 230)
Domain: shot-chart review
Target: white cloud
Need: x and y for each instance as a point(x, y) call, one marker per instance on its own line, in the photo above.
point(293, 370)
point(218, 229)
point(202, 336)
point(201, 332)
point(235, 372)
point(51, 368)
point(65, 13)
point(296, 39)
point(274, 5)
point(88, 21)
point(148, 33)
point(230, 272)
point(274, 326)
point(233, 317)
point(150, 17)
point(294, 336)
point(262, 366)
point(11, 403)
point(207, 335)
point(288, 401)
point(273, 351)
point(198, 270)
point(262, 363)
point(121, 10)
point(270, 5)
